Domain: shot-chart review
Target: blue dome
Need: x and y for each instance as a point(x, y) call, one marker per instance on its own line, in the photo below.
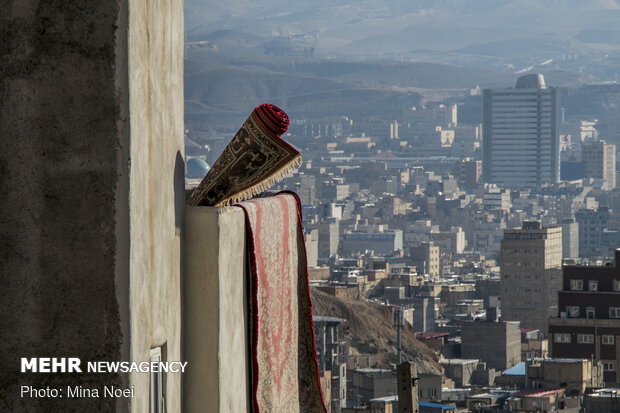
point(197, 168)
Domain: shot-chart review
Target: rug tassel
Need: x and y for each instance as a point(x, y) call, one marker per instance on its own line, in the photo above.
point(262, 186)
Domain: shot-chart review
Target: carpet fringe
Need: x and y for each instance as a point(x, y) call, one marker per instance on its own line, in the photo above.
point(263, 185)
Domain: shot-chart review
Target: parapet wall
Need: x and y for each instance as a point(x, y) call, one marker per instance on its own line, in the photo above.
point(215, 311)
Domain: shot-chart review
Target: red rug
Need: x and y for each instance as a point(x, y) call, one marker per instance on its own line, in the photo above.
point(285, 370)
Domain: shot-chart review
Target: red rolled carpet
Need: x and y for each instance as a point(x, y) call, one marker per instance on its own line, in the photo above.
point(253, 161)
point(284, 366)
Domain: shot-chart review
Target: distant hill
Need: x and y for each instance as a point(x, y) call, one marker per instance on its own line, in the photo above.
point(222, 88)
point(213, 89)
point(476, 33)
point(370, 332)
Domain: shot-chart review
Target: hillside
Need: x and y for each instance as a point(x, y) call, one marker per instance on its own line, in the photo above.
point(221, 89)
point(369, 329)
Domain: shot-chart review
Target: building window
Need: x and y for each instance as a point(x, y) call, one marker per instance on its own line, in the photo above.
point(593, 285)
point(614, 312)
point(609, 366)
point(590, 312)
point(585, 338)
point(616, 285)
point(576, 285)
point(156, 390)
point(432, 393)
point(561, 338)
point(572, 311)
point(609, 340)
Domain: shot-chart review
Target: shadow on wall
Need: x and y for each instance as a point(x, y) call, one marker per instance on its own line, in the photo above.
point(178, 182)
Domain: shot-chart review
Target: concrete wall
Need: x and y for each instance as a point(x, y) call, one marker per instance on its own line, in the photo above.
point(156, 187)
point(496, 343)
point(85, 87)
point(63, 179)
point(215, 311)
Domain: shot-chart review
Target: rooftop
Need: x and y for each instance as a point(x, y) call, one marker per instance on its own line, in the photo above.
point(457, 361)
point(385, 399)
point(324, 319)
point(429, 334)
point(372, 370)
point(560, 360)
point(607, 392)
point(516, 370)
point(537, 393)
point(437, 405)
point(531, 81)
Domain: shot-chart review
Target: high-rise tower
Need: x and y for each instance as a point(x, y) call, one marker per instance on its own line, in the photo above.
point(521, 134)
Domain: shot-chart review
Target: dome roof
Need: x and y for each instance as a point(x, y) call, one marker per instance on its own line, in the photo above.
point(196, 168)
point(531, 81)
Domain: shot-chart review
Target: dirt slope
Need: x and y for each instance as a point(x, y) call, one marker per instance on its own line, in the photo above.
point(369, 329)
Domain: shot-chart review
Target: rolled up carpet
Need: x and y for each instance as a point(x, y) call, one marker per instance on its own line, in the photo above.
point(254, 160)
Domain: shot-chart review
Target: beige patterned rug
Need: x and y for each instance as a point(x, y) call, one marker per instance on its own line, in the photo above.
point(254, 160)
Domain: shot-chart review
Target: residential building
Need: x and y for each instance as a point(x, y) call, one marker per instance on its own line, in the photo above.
point(382, 243)
point(498, 344)
point(452, 241)
point(454, 395)
point(488, 290)
point(435, 341)
point(424, 314)
point(429, 387)
point(372, 383)
point(459, 370)
point(388, 404)
point(307, 189)
point(325, 380)
point(521, 134)
point(602, 400)
point(591, 226)
point(572, 374)
point(496, 199)
point(598, 159)
point(589, 322)
point(532, 345)
point(328, 237)
point(468, 172)
point(570, 238)
point(531, 260)
point(534, 400)
point(580, 131)
point(483, 401)
point(514, 377)
point(426, 258)
point(312, 248)
point(331, 356)
point(439, 115)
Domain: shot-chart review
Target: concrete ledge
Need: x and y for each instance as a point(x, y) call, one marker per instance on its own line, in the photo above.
point(215, 311)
